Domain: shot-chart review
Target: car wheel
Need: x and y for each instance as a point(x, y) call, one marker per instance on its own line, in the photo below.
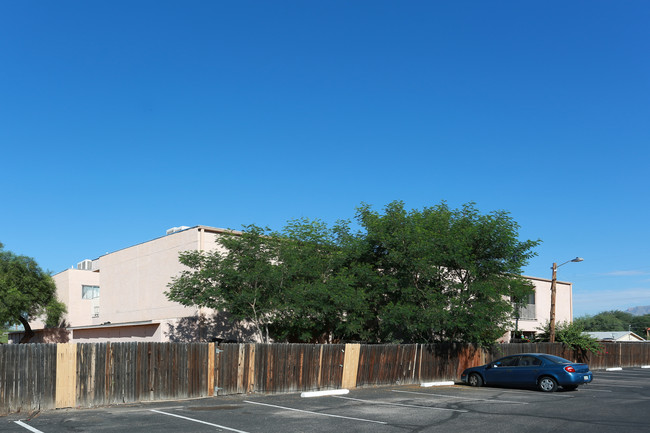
point(475, 379)
point(570, 387)
point(547, 384)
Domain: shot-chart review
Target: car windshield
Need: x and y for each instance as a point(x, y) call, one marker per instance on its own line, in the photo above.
point(556, 359)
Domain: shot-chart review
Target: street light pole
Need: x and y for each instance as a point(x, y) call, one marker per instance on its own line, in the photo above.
point(551, 337)
point(553, 291)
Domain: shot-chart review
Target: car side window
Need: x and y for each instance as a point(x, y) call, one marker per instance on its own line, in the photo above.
point(510, 361)
point(529, 361)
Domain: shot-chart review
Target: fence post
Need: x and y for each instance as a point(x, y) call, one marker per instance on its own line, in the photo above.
point(240, 368)
point(350, 365)
point(251, 369)
point(66, 375)
point(415, 363)
point(210, 369)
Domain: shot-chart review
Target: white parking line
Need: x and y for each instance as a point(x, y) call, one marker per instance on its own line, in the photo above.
point(400, 404)
point(28, 427)
point(199, 421)
point(614, 385)
point(315, 413)
point(309, 394)
point(430, 384)
point(462, 398)
point(596, 390)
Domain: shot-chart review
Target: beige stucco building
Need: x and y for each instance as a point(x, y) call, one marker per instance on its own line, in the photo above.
point(538, 310)
point(120, 296)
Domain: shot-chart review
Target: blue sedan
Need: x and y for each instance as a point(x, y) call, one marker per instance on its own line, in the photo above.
point(546, 372)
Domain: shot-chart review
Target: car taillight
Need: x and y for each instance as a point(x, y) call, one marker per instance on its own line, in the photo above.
point(569, 369)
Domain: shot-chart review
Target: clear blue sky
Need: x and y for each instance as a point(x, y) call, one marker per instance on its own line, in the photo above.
point(120, 119)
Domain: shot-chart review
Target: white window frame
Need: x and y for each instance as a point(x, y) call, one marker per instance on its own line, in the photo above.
point(89, 292)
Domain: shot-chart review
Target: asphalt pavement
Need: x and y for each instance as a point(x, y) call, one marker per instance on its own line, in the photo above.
point(614, 402)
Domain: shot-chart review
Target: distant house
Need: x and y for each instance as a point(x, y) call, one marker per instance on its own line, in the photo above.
point(120, 296)
point(615, 336)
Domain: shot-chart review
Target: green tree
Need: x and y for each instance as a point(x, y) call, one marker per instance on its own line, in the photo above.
point(295, 285)
point(240, 276)
point(444, 274)
point(640, 324)
point(26, 293)
point(615, 320)
point(406, 276)
point(323, 300)
point(571, 334)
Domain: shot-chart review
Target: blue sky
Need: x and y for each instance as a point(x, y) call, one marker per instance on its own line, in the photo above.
point(120, 119)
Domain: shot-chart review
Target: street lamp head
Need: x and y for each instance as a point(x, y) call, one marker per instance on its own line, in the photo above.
point(577, 259)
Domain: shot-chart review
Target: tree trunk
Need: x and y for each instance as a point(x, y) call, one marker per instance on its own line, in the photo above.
point(28, 331)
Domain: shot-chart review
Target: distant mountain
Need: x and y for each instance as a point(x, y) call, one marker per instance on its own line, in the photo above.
point(639, 311)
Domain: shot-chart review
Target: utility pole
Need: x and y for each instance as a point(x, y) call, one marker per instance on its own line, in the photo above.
point(551, 337)
point(553, 294)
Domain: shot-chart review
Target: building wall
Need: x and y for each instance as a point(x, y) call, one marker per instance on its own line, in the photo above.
point(68, 290)
point(69, 284)
point(631, 337)
point(145, 332)
point(563, 305)
point(134, 279)
point(132, 284)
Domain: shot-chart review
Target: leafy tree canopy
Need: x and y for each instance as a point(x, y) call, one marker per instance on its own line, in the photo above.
point(240, 275)
point(444, 274)
point(615, 321)
point(571, 334)
point(405, 276)
point(26, 292)
point(293, 285)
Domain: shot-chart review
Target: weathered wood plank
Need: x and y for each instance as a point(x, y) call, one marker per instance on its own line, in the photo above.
point(350, 365)
point(66, 375)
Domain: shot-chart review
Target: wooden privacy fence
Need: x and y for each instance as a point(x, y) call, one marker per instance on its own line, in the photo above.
point(47, 376)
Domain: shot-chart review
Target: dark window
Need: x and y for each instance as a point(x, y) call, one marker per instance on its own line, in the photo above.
point(529, 361)
point(510, 361)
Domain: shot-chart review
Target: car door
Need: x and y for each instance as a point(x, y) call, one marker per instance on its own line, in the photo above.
point(500, 372)
point(526, 371)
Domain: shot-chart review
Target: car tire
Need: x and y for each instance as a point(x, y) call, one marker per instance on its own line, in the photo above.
point(547, 384)
point(570, 387)
point(475, 379)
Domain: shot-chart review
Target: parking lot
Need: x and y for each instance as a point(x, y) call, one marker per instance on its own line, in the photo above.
point(614, 401)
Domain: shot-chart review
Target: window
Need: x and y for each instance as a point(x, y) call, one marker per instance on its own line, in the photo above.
point(529, 361)
point(556, 359)
point(510, 361)
point(89, 292)
point(527, 309)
